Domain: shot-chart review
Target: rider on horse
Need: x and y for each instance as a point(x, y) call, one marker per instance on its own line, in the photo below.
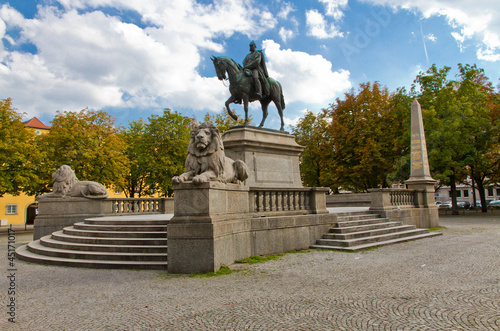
point(255, 66)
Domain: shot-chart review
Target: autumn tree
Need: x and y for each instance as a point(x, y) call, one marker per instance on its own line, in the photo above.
point(18, 154)
point(365, 132)
point(89, 143)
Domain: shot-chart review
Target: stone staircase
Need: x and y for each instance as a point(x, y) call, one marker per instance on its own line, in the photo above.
point(358, 231)
point(109, 242)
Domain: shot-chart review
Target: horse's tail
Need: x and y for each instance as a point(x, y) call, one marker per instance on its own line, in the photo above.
point(282, 101)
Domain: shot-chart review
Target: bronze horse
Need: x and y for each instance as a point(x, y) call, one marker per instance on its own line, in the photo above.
point(242, 89)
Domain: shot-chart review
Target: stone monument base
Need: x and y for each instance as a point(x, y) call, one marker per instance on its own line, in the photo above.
point(272, 157)
point(216, 224)
point(55, 214)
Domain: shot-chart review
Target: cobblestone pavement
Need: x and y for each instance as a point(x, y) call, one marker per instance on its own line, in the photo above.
point(449, 282)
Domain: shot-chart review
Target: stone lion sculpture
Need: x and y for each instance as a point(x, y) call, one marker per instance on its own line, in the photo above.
point(206, 160)
point(67, 185)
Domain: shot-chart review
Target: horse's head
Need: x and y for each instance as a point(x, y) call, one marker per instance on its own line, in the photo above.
point(220, 67)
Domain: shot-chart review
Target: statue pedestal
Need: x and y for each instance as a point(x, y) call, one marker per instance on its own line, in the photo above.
point(272, 157)
point(208, 220)
point(54, 214)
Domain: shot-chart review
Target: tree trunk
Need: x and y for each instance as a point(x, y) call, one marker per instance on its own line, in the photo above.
point(482, 195)
point(453, 186)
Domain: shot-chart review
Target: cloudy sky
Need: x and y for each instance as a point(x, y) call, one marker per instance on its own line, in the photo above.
point(133, 58)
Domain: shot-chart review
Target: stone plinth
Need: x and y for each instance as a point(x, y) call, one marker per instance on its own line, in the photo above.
point(54, 214)
point(200, 235)
point(272, 157)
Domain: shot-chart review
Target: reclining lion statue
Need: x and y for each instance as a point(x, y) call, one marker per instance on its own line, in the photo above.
point(206, 160)
point(67, 185)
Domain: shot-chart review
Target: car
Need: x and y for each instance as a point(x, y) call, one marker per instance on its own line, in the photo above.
point(494, 204)
point(445, 205)
point(463, 204)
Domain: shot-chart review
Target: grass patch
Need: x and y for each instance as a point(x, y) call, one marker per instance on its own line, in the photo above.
point(224, 270)
point(439, 228)
point(259, 259)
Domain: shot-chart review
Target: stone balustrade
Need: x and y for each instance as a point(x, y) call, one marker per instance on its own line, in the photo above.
point(141, 205)
point(285, 200)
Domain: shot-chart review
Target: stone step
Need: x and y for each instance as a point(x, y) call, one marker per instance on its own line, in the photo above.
point(357, 216)
point(114, 234)
point(24, 254)
point(358, 228)
point(37, 248)
point(369, 233)
point(126, 221)
point(60, 236)
point(119, 227)
point(378, 243)
point(370, 239)
point(47, 241)
point(366, 221)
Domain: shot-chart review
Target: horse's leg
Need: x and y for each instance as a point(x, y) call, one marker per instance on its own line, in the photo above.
point(245, 106)
point(231, 100)
point(264, 103)
point(280, 112)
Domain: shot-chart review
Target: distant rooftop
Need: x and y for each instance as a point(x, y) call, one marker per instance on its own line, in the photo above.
point(36, 123)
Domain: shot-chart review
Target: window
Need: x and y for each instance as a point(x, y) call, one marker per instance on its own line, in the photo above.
point(38, 132)
point(490, 192)
point(11, 210)
point(498, 192)
point(459, 193)
point(466, 193)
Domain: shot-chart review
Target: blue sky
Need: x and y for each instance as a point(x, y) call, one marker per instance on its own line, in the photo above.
point(133, 58)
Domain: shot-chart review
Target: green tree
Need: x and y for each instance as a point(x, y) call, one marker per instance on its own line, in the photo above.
point(459, 128)
point(164, 147)
point(478, 102)
point(315, 161)
point(89, 143)
point(135, 182)
point(19, 156)
point(223, 121)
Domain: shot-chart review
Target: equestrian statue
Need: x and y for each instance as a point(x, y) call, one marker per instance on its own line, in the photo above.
point(250, 83)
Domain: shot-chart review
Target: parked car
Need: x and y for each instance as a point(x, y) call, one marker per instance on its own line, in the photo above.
point(494, 204)
point(478, 203)
point(463, 204)
point(445, 205)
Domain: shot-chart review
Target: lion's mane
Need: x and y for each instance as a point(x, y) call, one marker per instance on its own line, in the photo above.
point(209, 161)
point(210, 158)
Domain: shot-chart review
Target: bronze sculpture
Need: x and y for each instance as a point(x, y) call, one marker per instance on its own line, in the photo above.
point(250, 83)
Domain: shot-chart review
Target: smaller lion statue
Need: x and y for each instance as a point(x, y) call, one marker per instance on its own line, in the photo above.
point(67, 185)
point(206, 160)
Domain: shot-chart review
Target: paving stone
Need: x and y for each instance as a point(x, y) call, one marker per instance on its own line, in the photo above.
point(450, 282)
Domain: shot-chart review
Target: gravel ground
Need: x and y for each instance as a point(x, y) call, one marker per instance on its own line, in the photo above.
point(449, 282)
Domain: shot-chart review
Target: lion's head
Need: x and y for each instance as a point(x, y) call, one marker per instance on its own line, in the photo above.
point(205, 140)
point(64, 178)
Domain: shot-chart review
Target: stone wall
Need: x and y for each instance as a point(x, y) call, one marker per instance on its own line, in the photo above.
point(215, 224)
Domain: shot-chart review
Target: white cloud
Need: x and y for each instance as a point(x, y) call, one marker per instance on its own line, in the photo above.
point(431, 37)
point(334, 8)
point(286, 9)
point(470, 19)
point(304, 77)
point(319, 27)
point(285, 34)
point(86, 58)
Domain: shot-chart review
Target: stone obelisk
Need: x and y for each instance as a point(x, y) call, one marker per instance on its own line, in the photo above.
point(420, 177)
point(419, 162)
